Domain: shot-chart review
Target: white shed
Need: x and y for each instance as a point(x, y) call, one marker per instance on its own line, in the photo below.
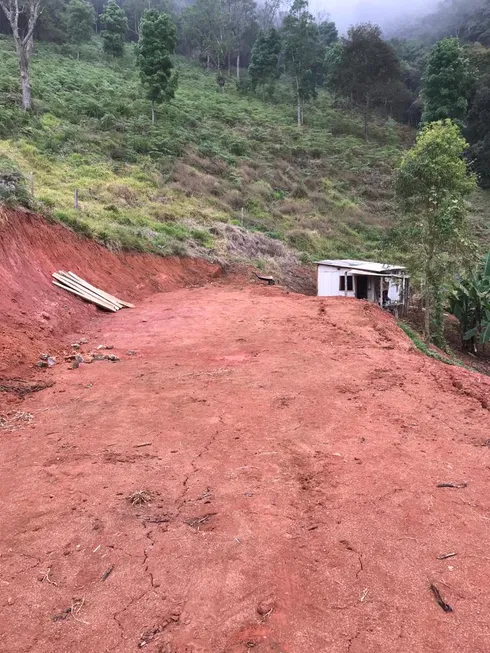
point(385, 284)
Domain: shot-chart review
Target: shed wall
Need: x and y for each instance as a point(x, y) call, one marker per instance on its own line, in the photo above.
point(329, 284)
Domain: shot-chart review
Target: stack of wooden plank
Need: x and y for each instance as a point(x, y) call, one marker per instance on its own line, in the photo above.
point(73, 283)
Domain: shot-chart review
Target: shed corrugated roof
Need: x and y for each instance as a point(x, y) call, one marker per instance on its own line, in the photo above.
point(366, 266)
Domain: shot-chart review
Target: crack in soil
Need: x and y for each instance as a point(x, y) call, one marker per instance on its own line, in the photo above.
point(116, 615)
point(361, 567)
point(181, 501)
point(351, 640)
point(146, 555)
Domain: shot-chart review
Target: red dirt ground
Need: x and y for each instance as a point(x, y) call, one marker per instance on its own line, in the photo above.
point(293, 448)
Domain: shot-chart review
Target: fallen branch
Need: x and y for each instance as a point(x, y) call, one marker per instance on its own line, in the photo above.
point(445, 606)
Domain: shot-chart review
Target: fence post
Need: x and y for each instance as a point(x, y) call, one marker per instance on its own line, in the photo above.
point(31, 183)
point(76, 198)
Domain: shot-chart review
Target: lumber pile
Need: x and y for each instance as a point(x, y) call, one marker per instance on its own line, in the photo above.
point(73, 283)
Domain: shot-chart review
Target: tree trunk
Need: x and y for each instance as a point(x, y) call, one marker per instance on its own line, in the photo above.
point(366, 118)
point(427, 318)
point(152, 113)
point(207, 62)
point(238, 66)
point(24, 80)
point(298, 105)
point(229, 64)
point(78, 55)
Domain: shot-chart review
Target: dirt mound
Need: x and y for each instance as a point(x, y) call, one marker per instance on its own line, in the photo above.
point(36, 314)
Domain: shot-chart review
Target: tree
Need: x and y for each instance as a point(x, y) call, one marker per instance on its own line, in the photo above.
point(240, 19)
point(431, 186)
point(80, 22)
point(23, 16)
point(264, 65)
point(327, 33)
point(267, 14)
point(158, 37)
point(115, 25)
point(446, 82)
point(469, 302)
point(477, 131)
point(367, 69)
point(302, 52)
point(204, 31)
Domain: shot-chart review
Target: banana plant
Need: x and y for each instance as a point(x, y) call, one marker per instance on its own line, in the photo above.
point(470, 304)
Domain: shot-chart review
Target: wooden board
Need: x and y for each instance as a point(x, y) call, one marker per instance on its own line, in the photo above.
point(97, 302)
point(104, 294)
point(68, 281)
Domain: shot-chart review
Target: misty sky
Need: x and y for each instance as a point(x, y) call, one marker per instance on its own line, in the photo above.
point(382, 12)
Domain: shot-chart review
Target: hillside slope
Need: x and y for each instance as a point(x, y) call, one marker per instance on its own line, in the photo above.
point(212, 161)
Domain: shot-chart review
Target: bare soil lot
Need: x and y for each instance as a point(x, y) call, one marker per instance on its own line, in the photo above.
point(262, 474)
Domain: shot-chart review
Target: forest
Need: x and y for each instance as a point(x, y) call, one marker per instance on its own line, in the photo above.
point(176, 122)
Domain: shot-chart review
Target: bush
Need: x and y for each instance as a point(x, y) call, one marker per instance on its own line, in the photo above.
point(13, 185)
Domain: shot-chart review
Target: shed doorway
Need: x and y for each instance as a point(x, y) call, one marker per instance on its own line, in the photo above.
point(361, 287)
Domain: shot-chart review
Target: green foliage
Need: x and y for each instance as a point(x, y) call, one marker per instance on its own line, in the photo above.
point(446, 82)
point(156, 44)
point(13, 186)
point(80, 20)
point(469, 302)
point(115, 25)
point(264, 64)
point(208, 156)
point(214, 30)
point(327, 33)
point(431, 185)
point(477, 127)
point(425, 348)
point(302, 52)
point(365, 69)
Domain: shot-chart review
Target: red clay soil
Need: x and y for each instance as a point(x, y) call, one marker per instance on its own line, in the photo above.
point(261, 475)
point(35, 314)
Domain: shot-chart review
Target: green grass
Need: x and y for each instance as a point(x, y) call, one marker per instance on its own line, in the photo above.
point(210, 157)
point(426, 349)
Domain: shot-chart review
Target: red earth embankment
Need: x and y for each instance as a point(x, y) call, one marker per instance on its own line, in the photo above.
point(35, 314)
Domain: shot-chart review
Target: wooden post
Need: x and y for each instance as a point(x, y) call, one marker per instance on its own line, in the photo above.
point(31, 183)
point(75, 198)
point(242, 216)
point(381, 283)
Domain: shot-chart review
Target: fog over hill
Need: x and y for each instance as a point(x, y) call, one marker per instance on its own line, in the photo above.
point(383, 12)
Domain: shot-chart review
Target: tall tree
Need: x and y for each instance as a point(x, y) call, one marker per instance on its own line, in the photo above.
point(204, 31)
point(327, 33)
point(367, 69)
point(446, 82)
point(264, 65)
point(301, 48)
point(241, 17)
point(115, 25)
point(80, 22)
point(431, 186)
point(23, 16)
point(267, 14)
point(158, 37)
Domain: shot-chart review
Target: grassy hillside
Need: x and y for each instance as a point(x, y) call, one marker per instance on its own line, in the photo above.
point(212, 161)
